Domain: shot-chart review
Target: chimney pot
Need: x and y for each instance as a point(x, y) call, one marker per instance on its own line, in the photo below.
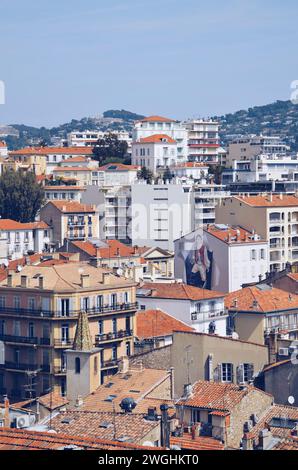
point(85, 280)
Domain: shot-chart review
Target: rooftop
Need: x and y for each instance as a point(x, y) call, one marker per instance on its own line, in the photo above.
point(270, 200)
point(53, 400)
point(156, 323)
point(261, 299)
point(66, 277)
point(53, 151)
point(156, 119)
point(176, 291)
point(72, 207)
point(9, 224)
point(18, 439)
point(216, 396)
point(198, 443)
point(112, 249)
point(118, 167)
point(233, 235)
point(103, 425)
point(136, 383)
point(157, 139)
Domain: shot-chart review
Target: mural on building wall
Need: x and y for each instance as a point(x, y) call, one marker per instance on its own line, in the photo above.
point(194, 260)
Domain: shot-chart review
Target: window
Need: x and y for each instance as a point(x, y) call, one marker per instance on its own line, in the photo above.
point(114, 325)
point(253, 255)
point(227, 372)
point(17, 328)
point(2, 327)
point(95, 366)
point(99, 302)
point(2, 301)
point(128, 348)
point(195, 416)
point(77, 365)
point(248, 371)
point(31, 303)
point(31, 330)
point(263, 253)
point(65, 307)
point(100, 327)
point(114, 353)
point(65, 333)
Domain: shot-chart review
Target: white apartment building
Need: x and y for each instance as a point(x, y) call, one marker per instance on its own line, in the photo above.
point(203, 141)
point(161, 125)
point(114, 206)
point(64, 193)
point(115, 174)
point(160, 213)
point(194, 171)
point(239, 256)
point(248, 147)
point(262, 168)
point(154, 152)
point(3, 149)
point(18, 239)
point(206, 198)
point(199, 308)
point(89, 138)
point(273, 217)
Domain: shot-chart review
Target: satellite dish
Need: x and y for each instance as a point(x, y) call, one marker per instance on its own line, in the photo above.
point(6, 264)
point(119, 271)
point(291, 400)
point(19, 268)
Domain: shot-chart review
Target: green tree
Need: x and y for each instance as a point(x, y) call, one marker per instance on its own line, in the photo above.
point(145, 174)
point(110, 147)
point(216, 171)
point(21, 197)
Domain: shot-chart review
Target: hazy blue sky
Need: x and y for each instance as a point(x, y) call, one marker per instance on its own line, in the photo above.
point(180, 58)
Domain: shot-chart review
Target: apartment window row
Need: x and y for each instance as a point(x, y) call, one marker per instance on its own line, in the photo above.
point(226, 372)
point(258, 254)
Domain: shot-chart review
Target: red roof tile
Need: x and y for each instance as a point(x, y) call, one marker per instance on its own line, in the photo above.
point(156, 119)
point(232, 235)
point(115, 249)
point(156, 139)
point(72, 207)
point(53, 151)
point(179, 291)
point(198, 443)
point(255, 299)
point(9, 224)
point(269, 200)
point(156, 323)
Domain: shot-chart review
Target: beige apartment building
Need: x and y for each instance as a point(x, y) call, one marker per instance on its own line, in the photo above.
point(39, 308)
point(71, 220)
point(274, 217)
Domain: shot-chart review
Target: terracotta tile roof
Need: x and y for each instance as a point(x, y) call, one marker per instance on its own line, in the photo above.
point(216, 396)
point(53, 400)
point(137, 384)
point(65, 188)
point(179, 291)
point(18, 439)
point(103, 425)
point(144, 404)
point(156, 119)
point(276, 365)
point(60, 169)
point(269, 201)
point(72, 207)
point(275, 411)
point(255, 299)
point(156, 323)
point(199, 443)
point(53, 151)
point(9, 224)
point(114, 249)
point(156, 139)
point(287, 444)
point(293, 276)
point(232, 235)
point(118, 167)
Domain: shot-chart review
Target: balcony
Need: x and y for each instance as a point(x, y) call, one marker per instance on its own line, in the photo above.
point(20, 367)
point(63, 343)
point(105, 337)
point(103, 310)
point(112, 364)
point(26, 340)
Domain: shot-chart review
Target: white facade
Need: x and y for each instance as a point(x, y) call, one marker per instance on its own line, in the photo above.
point(17, 242)
point(197, 314)
point(89, 138)
point(203, 140)
point(190, 170)
point(67, 193)
point(159, 125)
point(248, 147)
point(160, 214)
point(154, 153)
point(237, 259)
point(115, 174)
point(262, 168)
point(206, 199)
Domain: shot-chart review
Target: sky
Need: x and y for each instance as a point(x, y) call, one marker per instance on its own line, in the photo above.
point(66, 59)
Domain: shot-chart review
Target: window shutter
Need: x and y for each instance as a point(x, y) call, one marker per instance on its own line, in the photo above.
point(232, 373)
point(250, 371)
point(240, 374)
point(217, 374)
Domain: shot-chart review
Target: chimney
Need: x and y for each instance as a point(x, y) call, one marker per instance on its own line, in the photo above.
point(187, 391)
point(79, 401)
point(265, 439)
point(123, 365)
point(40, 279)
point(85, 280)
point(105, 278)
point(9, 279)
point(24, 282)
point(164, 426)
point(235, 303)
point(6, 413)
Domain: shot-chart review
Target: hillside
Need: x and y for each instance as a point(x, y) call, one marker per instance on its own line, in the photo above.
point(279, 118)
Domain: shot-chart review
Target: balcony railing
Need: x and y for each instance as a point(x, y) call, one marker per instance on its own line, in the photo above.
point(63, 342)
point(21, 366)
point(109, 364)
point(19, 339)
point(71, 313)
point(112, 336)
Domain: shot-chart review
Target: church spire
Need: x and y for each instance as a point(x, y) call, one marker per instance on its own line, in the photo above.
point(83, 341)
